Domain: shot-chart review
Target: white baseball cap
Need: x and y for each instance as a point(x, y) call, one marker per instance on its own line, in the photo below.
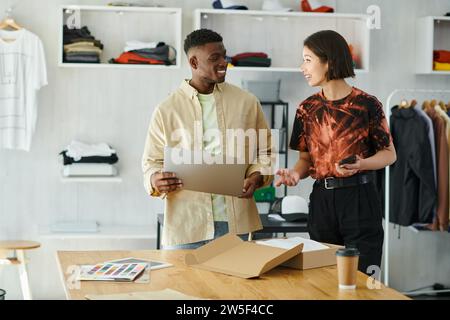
point(274, 5)
point(294, 208)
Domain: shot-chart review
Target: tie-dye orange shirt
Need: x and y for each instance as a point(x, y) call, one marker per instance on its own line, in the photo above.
point(334, 130)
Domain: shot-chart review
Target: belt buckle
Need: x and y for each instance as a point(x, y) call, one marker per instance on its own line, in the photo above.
point(326, 183)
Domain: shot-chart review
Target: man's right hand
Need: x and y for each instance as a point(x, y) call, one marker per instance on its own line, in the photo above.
point(165, 182)
point(288, 177)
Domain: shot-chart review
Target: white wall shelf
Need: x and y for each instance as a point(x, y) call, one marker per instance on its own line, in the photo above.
point(113, 26)
point(105, 232)
point(432, 33)
point(281, 34)
point(115, 66)
point(274, 69)
point(91, 179)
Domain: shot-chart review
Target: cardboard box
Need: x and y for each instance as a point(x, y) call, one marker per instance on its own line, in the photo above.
point(233, 256)
point(314, 259)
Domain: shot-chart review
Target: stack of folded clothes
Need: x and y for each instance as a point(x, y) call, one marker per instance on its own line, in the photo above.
point(81, 159)
point(251, 59)
point(228, 4)
point(355, 57)
point(137, 52)
point(80, 46)
point(441, 60)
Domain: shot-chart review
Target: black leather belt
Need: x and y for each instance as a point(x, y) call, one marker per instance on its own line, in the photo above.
point(355, 180)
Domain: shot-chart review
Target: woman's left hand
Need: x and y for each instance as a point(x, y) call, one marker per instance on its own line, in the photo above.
point(349, 169)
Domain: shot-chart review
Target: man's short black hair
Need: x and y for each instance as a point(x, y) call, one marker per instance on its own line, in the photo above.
point(201, 37)
point(331, 47)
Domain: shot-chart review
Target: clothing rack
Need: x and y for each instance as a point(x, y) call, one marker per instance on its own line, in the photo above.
point(441, 93)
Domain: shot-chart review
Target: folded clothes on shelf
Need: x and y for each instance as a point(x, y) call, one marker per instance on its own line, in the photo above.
point(355, 56)
point(76, 35)
point(82, 159)
point(90, 159)
point(442, 56)
point(439, 66)
point(137, 45)
point(78, 43)
point(228, 4)
point(134, 58)
point(251, 59)
point(162, 54)
point(274, 5)
point(254, 62)
point(83, 42)
point(82, 58)
point(84, 48)
point(314, 6)
point(77, 150)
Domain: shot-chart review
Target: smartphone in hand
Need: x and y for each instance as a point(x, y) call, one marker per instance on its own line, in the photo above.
point(348, 160)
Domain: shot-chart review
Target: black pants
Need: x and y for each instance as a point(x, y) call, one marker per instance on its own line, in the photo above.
point(350, 216)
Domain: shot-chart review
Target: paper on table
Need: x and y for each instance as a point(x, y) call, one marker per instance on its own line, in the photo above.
point(166, 294)
point(308, 245)
point(276, 217)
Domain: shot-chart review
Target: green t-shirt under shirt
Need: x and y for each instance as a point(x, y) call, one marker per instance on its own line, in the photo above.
point(209, 120)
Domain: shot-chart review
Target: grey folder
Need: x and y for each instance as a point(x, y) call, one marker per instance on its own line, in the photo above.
point(225, 179)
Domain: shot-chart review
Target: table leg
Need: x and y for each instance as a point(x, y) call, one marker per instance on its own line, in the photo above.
point(158, 236)
point(23, 273)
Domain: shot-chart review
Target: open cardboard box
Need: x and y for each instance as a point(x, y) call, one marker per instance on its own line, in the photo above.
point(314, 259)
point(231, 255)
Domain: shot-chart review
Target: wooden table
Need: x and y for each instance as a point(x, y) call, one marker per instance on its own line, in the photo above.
point(279, 283)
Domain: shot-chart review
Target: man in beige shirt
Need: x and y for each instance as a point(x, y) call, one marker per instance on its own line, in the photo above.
point(188, 119)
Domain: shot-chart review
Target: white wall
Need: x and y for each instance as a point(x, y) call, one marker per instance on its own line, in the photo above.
point(115, 106)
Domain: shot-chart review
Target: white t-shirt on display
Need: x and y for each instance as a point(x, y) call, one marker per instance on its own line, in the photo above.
point(22, 73)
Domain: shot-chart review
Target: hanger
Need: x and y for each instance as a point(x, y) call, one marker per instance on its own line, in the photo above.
point(9, 21)
point(433, 103)
point(404, 104)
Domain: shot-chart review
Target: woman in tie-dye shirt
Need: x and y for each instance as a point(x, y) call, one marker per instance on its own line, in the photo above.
point(334, 124)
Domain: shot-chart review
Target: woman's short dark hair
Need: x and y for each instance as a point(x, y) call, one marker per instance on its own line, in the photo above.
point(331, 47)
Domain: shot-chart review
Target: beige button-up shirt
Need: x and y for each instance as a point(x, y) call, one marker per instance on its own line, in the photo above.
point(188, 215)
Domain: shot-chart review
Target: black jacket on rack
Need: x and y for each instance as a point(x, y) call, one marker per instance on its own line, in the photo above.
point(413, 194)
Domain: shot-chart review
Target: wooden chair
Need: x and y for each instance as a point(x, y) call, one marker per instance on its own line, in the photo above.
point(18, 249)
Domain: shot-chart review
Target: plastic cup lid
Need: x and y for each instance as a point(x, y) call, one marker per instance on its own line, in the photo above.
point(347, 252)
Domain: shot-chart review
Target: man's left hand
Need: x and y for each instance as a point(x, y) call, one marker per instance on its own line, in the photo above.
point(253, 182)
